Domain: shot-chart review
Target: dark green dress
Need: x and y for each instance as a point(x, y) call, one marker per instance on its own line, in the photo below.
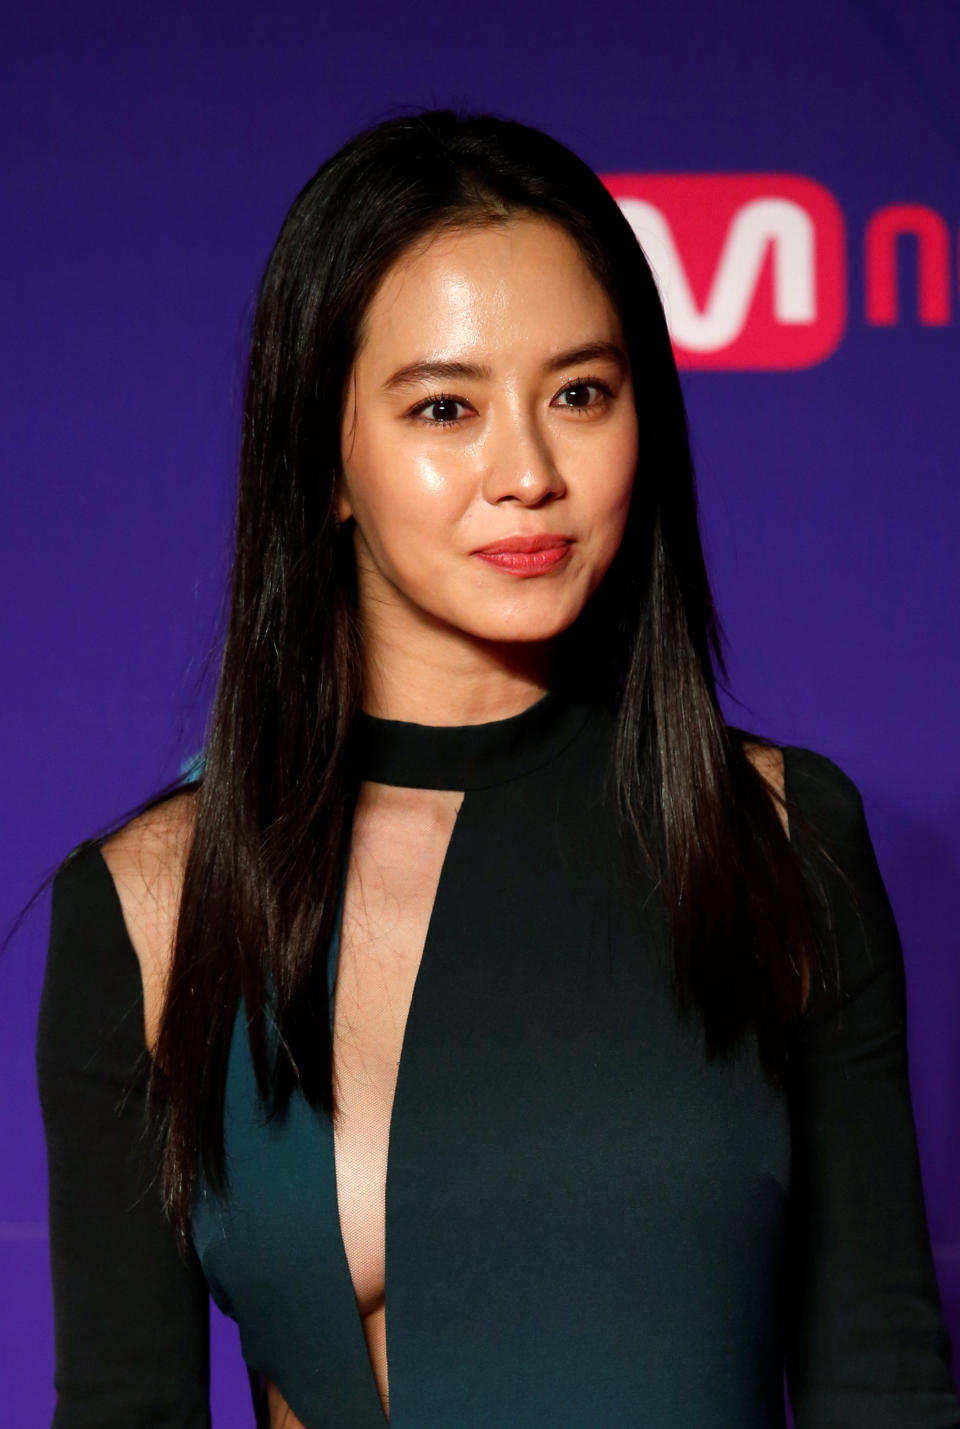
point(587, 1223)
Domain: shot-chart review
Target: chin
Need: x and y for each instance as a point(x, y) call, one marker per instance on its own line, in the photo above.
point(514, 618)
point(524, 631)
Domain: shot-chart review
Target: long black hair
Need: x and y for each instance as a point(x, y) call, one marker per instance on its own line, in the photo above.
point(272, 803)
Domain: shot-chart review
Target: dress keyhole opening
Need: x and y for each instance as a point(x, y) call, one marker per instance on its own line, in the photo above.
point(398, 849)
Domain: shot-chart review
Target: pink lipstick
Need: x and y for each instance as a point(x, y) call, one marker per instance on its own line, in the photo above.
point(527, 555)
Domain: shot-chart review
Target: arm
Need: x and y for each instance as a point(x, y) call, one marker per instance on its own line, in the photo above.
point(131, 1316)
point(866, 1344)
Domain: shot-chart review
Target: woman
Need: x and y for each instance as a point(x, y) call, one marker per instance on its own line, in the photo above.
point(476, 874)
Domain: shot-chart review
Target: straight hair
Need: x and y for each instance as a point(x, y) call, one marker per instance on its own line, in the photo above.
point(273, 800)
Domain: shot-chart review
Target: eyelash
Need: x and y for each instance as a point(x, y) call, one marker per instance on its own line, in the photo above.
point(604, 388)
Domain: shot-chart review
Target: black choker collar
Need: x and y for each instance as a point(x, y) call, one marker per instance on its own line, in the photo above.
point(468, 756)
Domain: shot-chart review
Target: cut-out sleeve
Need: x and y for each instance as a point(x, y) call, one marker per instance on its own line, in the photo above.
point(131, 1315)
point(866, 1343)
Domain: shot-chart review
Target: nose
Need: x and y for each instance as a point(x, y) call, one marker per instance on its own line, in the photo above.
point(522, 464)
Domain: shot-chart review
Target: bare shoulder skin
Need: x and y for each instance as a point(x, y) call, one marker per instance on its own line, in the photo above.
point(146, 859)
point(770, 764)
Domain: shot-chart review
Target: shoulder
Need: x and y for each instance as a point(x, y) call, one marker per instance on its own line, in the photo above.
point(138, 865)
point(824, 793)
point(146, 859)
point(809, 783)
point(853, 918)
point(852, 907)
point(767, 759)
point(147, 856)
point(113, 912)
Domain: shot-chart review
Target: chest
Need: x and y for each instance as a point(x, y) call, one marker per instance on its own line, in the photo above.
point(398, 847)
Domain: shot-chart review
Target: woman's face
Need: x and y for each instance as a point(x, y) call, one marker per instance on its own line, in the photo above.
point(475, 413)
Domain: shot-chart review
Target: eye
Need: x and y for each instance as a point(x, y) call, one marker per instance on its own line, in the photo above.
point(581, 384)
point(440, 400)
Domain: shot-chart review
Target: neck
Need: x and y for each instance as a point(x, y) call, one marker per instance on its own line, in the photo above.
point(470, 755)
point(489, 684)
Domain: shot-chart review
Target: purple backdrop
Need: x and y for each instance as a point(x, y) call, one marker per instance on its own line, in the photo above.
point(149, 159)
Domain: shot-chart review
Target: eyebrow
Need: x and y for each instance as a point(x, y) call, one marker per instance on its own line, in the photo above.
point(433, 369)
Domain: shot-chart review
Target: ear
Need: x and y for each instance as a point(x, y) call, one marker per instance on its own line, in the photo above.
point(344, 509)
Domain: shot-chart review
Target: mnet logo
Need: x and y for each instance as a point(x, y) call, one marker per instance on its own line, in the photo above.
point(751, 267)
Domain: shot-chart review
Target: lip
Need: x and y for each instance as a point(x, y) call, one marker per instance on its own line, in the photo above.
point(523, 545)
point(537, 562)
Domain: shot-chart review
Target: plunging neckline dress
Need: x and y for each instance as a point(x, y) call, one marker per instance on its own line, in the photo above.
point(587, 1223)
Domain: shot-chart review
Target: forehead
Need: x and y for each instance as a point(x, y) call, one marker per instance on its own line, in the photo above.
point(524, 281)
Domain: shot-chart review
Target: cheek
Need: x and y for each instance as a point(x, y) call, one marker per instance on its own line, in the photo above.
point(408, 502)
point(610, 487)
